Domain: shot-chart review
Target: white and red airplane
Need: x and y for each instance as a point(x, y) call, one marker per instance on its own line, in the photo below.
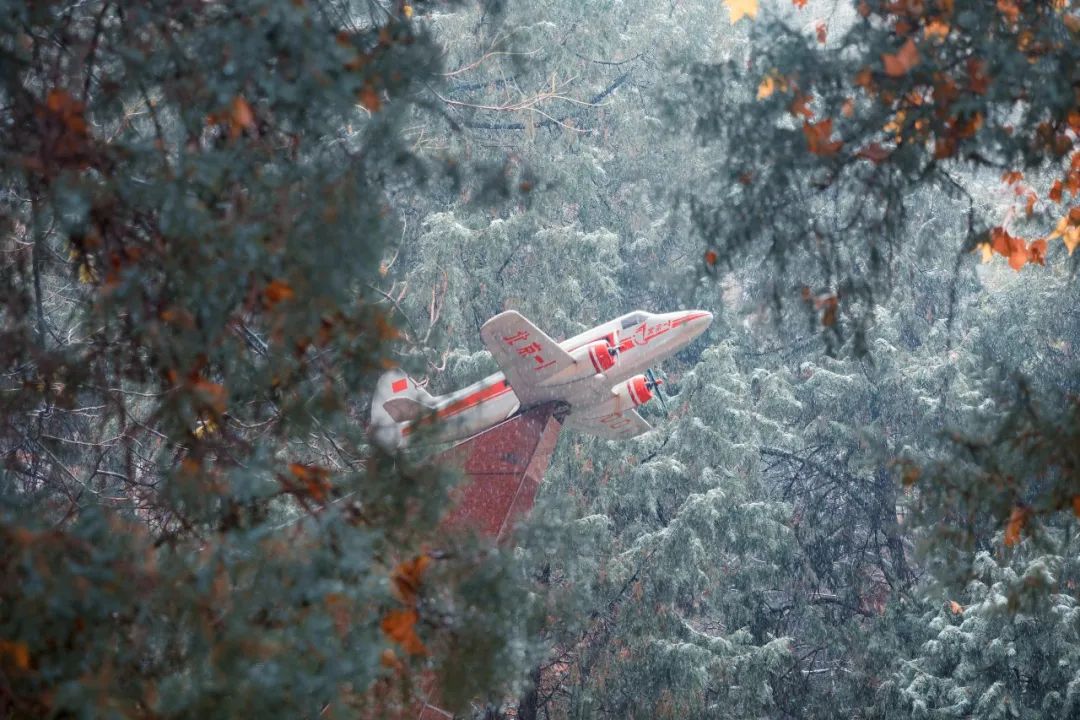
point(598, 374)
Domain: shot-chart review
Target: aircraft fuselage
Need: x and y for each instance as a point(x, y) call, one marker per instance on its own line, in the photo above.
point(642, 340)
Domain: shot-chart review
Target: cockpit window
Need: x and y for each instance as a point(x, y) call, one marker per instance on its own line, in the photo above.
point(633, 319)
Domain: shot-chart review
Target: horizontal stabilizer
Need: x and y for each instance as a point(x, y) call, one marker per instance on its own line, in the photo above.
point(406, 409)
point(397, 399)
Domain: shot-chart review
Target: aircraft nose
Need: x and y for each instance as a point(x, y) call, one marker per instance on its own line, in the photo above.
point(699, 321)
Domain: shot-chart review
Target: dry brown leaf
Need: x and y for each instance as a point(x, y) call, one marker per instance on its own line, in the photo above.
point(407, 576)
point(1017, 520)
point(900, 63)
point(937, 29)
point(817, 138)
point(400, 626)
point(1037, 252)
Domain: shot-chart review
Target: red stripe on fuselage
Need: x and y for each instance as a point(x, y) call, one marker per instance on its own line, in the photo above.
point(471, 400)
point(475, 398)
point(687, 318)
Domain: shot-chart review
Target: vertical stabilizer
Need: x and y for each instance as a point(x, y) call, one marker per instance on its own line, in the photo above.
point(397, 400)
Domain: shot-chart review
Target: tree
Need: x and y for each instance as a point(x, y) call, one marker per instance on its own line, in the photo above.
point(834, 130)
point(834, 135)
point(191, 521)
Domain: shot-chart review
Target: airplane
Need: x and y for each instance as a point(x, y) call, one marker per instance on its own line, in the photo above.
point(602, 374)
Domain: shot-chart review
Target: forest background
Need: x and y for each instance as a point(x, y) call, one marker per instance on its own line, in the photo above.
point(221, 222)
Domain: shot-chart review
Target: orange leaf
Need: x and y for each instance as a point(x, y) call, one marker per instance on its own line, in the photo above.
point(17, 651)
point(369, 98)
point(240, 116)
point(1011, 177)
point(770, 84)
point(1000, 241)
point(1037, 252)
point(400, 626)
point(848, 108)
point(944, 148)
point(956, 607)
point(406, 578)
point(1029, 205)
point(766, 88)
point(902, 61)
point(1014, 248)
point(742, 8)
point(799, 3)
point(1016, 523)
point(1018, 254)
point(315, 479)
point(66, 125)
point(1009, 9)
point(1068, 231)
point(799, 106)
point(1055, 191)
point(911, 475)
point(831, 303)
point(977, 78)
point(337, 607)
point(212, 394)
point(822, 31)
point(936, 28)
point(388, 659)
point(277, 291)
point(817, 138)
point(711, 257)
point(896, 124)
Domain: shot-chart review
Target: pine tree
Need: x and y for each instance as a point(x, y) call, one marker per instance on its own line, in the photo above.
point(191, 521)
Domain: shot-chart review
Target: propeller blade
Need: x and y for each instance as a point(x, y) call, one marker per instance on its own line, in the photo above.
point(654, 383)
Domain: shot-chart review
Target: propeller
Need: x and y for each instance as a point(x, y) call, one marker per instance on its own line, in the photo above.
point(613, 346)
point(653, 383)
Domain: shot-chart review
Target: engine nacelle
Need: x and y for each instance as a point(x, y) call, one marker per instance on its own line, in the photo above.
point(634, 391)
point(598, 354)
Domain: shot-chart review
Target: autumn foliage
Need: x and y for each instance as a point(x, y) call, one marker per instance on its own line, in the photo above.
point(194, 215)
point(922, 92)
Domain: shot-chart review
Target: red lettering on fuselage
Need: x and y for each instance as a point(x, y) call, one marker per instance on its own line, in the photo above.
point(645, 332)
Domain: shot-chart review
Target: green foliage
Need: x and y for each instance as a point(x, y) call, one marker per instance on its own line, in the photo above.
point(191, 521)
point(832, 154)
point(222, 222)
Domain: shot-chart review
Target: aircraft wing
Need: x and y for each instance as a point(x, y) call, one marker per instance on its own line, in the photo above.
point(526, 354)
point(614, 426)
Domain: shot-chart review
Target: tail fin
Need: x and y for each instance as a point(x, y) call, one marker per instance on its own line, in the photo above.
point(397, 399)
